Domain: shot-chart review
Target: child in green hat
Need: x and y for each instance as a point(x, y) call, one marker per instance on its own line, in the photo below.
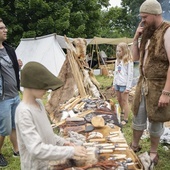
point(37, 142)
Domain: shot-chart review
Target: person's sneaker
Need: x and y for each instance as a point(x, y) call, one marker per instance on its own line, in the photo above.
point(3, 161)
point(16, 154)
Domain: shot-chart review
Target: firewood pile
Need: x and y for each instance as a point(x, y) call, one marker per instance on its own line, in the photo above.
point(80, 107)
point(82, 73)
point(80, 83)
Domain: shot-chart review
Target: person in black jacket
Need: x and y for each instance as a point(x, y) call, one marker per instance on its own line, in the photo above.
point(9, 95)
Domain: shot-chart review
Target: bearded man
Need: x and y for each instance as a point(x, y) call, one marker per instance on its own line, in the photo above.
point(152, 97)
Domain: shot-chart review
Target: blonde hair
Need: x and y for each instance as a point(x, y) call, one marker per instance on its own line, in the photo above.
point(127, 56)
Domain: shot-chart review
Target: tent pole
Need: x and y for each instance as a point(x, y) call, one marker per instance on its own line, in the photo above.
point(98, 55)
point(107, 72)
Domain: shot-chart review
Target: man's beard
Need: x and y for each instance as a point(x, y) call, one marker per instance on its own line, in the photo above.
point(148, 31)
point(147, 34)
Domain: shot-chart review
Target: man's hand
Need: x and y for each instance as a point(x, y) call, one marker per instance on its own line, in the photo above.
point(164, 101)
point(139, 31)
point(20, 63)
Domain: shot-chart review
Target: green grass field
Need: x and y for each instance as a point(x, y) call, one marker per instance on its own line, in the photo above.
point(164, 164)
point(164, 156)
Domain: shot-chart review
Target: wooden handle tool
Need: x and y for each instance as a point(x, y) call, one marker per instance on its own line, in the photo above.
point(97, 140)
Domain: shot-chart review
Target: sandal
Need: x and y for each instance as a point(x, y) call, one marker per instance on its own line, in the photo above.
point(156, 158)
point(121, 115)
point(135, 148)
point(124, 122)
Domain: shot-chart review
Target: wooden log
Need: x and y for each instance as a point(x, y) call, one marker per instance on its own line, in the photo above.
point(74, 103)
point(79, 115)
point(68, 102)
point(76, 74)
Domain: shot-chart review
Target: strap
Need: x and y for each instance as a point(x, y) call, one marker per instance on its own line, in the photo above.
point(1, 83)
point(0, 65)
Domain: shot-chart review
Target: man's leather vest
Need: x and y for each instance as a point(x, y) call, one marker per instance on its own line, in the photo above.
point(153, 80)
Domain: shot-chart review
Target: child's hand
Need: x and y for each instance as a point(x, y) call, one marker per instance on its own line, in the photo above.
point(80, 151)
point(20, 63)
point(113, 88)
point(69, 144)
point(126, 91)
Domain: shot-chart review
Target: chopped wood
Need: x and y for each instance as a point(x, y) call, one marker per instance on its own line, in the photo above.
point(74, 67)
point(69, 103)
point(74, 103)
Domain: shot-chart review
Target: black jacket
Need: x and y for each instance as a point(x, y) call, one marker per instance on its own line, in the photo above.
point(13, 57)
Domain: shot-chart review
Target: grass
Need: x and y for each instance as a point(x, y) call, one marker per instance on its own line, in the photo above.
point(127, 130)
point(14, 163)
point(164, 156)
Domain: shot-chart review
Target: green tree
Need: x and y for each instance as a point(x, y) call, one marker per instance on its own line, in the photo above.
point(166, 9)
point(31, 18)
point(132, 10)
point(116, 23)
point(73, 18)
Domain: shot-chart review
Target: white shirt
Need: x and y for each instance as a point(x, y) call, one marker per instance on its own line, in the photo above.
point(123, 74)
point(36, 140)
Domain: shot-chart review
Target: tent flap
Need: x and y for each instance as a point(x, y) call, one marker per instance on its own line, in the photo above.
point(45, 50)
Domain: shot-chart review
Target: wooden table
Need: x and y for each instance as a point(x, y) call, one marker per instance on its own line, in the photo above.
point(106, 131)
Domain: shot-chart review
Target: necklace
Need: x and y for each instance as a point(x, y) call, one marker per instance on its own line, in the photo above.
point(160, 25)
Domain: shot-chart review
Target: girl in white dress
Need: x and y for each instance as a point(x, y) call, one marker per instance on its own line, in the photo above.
point(123, 77)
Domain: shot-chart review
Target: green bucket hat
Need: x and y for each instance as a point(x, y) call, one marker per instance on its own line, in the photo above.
point(36, 76)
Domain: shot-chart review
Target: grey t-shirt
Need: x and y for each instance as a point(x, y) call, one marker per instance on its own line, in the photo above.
point(7, 70)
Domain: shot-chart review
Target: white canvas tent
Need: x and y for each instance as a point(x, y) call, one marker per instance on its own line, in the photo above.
point(45, 50)
point(61, 41)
